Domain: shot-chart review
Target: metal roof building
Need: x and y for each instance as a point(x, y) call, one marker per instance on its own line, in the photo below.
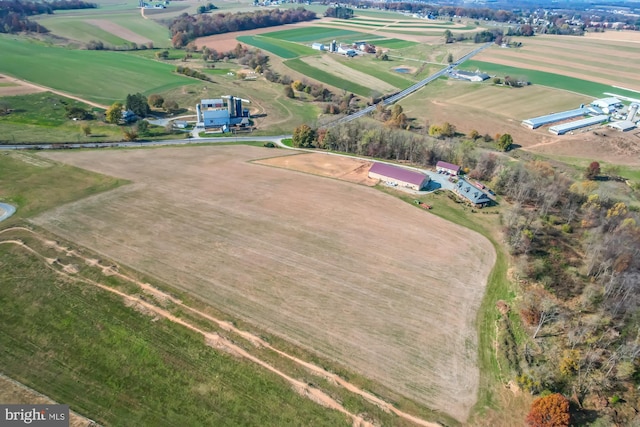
point(606, 102)
point(472, 193)
point(398, 176)
point(567, 127)
point(623, 125)
point(447, 167)
point(536, 122)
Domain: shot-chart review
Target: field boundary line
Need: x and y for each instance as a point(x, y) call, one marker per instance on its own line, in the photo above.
point(57, 92)
point(306, 390)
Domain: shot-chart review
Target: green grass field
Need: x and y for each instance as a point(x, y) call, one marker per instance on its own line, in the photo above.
point(283, 49)
point(82, 31)
point(320, 34)
point(326, 77)
point(89, 74)
point(558, 81)
point(395, 43)
point(379, 69)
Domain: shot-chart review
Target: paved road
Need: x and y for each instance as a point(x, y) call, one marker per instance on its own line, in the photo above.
point(274, 139)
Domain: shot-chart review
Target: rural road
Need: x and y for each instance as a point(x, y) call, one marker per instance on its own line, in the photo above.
point(6, 211)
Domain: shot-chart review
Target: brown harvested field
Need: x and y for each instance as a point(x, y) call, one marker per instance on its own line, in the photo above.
point(118, 30)
point(607, 61)
point(327, 62)
point(377, 285)
point(13, 87)
point(13, 392)
point(343, 168)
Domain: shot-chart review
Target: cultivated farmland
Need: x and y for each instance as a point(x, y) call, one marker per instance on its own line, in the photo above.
point(94, 72)
point(328, 62)
point(281, 48)
point(282, 250)
point(609, 62)
point(328, 77)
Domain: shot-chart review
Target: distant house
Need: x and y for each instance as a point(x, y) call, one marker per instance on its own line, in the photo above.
point(180, 124)
point(398, 176)
point(129, 116)
point(318, 46)
point(472, 194)
point(448, 167)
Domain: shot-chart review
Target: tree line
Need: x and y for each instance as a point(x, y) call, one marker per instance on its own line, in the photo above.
point(14, 13)
point(188, 27)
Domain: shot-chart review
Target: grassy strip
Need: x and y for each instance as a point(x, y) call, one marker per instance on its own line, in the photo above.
point(328, 78)
point(391, 77)
point(84, 347)
point(34, 184)
point(395, 43)
point(94, 72)
point(283, 49)
point(549, 79)
point(317, 34)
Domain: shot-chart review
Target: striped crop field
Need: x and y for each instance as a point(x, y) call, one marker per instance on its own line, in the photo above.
point(320, 34)
point(592, 58)
point(327, 78)
point(281, 48)
point(395, 43)
point(558, 81)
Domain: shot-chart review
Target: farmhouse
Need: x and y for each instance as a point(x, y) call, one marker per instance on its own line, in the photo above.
point(472, 194)
point(447, 167)
point(395, 175)
point(222, 113)
point(472, 77)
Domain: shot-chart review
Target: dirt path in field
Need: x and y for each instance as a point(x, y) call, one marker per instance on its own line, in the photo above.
point(213, 339)
point(58, 92)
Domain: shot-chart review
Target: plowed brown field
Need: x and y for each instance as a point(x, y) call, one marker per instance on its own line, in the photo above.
point(377, 285)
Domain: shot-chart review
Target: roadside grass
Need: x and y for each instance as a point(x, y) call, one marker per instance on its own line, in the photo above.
point(557, 81)
point(282, 48)
point(327, 77)
point(34, 184)
point(81, 345)
point(94, 72)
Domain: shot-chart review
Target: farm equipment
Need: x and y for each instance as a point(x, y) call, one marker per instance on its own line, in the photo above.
point(422, 204)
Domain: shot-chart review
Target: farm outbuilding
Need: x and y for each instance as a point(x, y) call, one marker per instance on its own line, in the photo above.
point(318, 46)
point(608, 103)
point(398, 176)
point(222, 112)
point(472, 194)
point(472, 77)
point(622, 126)
point(447, 167)
point(578, 124)
point(536, 122)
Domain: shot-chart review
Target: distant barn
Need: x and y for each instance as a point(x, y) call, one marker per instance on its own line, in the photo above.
point(395, 175)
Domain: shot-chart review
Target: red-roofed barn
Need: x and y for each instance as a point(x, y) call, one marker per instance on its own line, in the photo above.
point(447, 167)
point(398, 176)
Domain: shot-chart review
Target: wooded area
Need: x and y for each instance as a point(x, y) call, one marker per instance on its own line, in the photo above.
point(14, 13)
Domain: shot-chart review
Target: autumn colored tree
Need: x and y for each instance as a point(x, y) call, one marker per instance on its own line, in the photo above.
point(113, 114)
point(593, 170)
point(549, 411)
point(303, 136)
point(504, 142)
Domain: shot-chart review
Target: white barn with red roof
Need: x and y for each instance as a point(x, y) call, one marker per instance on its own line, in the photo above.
point(448, 167)
point(396, 175)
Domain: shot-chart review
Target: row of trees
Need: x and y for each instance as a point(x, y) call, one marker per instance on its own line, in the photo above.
point(186, 27)
point(339, 12)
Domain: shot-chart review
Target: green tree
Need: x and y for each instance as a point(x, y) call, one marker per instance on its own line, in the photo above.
point(450, 58)
point(138, 104)
point(549, 411)
point(156, 100)
point(448, 36)
point(170, 106)
point(303, 136)
point(288, 92)
point(593, 170)
point(142, 127)
point(505, 142)
point(86, 129)
point(114, 113)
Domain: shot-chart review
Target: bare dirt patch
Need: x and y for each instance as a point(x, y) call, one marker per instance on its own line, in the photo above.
point(343, 168)
point(358, 276)
point(13, 87)
point(118, 30)
point(13, 392)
